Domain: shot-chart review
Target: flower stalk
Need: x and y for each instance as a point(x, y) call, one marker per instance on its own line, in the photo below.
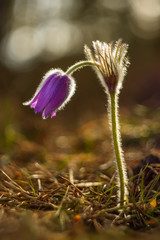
point(111, 70)
point(116, 138)
point(80, 65)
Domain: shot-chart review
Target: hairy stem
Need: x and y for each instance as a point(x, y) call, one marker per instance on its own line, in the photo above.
point(79, 65)
point(120, 163)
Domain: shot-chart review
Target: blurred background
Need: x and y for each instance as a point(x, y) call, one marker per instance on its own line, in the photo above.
point(36, 35)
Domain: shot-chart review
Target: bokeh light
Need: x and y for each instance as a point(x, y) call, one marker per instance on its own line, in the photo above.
point(21, 46)
point(145, 18)
point(48, 30)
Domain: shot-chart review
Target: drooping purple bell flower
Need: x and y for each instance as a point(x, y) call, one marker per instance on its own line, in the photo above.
point(53, 93)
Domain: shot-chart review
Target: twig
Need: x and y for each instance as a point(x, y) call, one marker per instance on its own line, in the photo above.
point(40, 189)
point(24, 193)
point(73, 185)
point(89, 184)
point(14, 183)
point(61, 204)
point(71, 177)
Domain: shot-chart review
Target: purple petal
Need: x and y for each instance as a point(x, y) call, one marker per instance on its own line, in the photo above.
point(33, 101)
point(44, 83)
point(60, 95)
point(44, 115)
point(53, 114)
point(47, 92)
point(33, 104)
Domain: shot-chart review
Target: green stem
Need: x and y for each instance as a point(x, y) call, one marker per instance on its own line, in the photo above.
point(79, 65)
point(120, 163)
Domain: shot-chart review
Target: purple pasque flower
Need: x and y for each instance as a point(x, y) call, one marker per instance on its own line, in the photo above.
point(53, 93)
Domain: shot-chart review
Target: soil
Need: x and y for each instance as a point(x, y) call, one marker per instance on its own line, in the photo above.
point(64, 186)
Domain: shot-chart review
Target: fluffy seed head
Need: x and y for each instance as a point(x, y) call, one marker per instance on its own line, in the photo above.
point(112, 63)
